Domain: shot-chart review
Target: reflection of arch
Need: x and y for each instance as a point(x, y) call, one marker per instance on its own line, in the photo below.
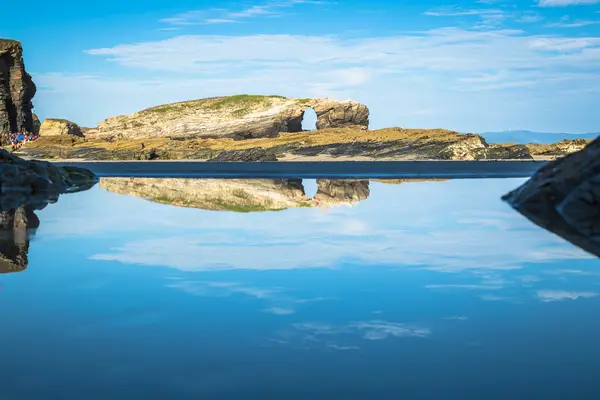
point(309, 119)
point(16, 227)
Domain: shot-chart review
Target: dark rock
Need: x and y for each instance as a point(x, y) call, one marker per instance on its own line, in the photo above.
point(16, 90)
point(564, 198)
point(16, 227)
point(25, 182)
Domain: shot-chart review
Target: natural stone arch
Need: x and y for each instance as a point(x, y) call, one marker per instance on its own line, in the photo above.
point(309, 119)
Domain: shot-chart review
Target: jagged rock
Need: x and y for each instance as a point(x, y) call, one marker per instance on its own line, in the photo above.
point(35, 182)
point(36, 124)
point(564, 197)
point(253, 154)
point(59, 127)
point(332, 192)
point(240, 117)
point(16, 90)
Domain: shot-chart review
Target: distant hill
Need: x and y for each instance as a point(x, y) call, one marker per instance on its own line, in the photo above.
point(533, 137)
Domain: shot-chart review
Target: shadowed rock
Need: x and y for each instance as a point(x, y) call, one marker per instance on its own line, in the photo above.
point(564, 198)
point(36, 183)
point(26, 186)
point(16, 90)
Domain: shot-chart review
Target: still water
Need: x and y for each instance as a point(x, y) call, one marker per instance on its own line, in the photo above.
point(199, 289)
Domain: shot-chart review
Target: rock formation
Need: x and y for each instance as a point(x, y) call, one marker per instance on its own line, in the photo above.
point(37, 183)
point(16, 227)
point(36, 124)
point(239, 117)
point(239, 195)
point(564, 198)
point(59, 127)
point(26, 186)
point(16, 90)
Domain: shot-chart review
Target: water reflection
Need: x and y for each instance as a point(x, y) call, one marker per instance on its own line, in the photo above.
point(240, 195)
point(419, 290)
point(16, 227)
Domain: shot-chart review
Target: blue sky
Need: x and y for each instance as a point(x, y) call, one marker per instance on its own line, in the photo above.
point(466, 65)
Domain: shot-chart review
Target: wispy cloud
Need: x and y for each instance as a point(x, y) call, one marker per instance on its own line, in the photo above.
point(558, 295)
point(564, 3)
point(566, 22)
point(223, 16)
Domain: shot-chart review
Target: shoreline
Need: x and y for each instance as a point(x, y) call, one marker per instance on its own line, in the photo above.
point(316, 170)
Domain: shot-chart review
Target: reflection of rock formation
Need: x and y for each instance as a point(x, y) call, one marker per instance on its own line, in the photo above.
point(240, 195)
point(564, 198)
point(15, 228)
point(340, 191)
point(26, 186)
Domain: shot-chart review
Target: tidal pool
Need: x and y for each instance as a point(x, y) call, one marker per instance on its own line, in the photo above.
point(257, 289)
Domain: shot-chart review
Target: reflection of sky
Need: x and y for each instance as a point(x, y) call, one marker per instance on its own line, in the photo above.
point(421, 283)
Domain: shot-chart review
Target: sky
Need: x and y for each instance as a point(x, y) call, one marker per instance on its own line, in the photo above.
point(466, 65)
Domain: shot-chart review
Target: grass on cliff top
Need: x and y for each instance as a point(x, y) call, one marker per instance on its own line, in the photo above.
point(239, 105)
point(306, 138)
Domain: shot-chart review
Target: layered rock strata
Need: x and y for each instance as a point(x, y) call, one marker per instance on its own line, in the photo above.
point(16, 90)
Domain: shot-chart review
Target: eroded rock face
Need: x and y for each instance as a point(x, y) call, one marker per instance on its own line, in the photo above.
point(239, 117)
point(16, 90)
point(59, 127)
point(240, 195)
point(564, 198)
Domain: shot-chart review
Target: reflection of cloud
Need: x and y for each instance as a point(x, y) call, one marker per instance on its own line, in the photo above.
point(279, 310)
point(558, 295)
point(279, 302)
point(377, 330)
point(471, 287)
point(454, 231)
point(371, 330)
point(345, 336)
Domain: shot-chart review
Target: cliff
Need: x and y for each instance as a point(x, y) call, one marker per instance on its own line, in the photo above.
point(239, 195)
point(16, 90)
point(239, 117)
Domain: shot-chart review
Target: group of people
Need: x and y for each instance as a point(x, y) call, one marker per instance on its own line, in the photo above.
point(16, 140)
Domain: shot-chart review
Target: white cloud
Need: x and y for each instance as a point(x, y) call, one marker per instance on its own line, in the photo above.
point(221, 15)
point(558, 295)
point(563, 3)
point(435, 67)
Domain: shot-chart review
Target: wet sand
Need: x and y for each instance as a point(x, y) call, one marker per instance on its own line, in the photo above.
point(315, 169)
